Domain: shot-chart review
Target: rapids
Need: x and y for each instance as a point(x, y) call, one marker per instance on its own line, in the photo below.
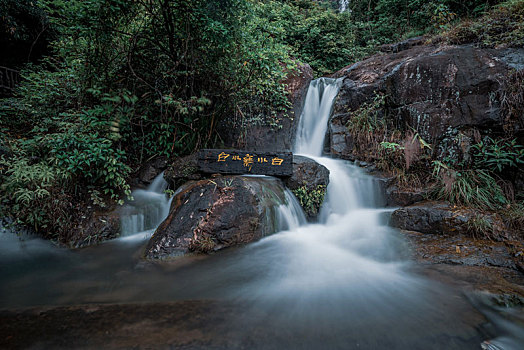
point(342, 283)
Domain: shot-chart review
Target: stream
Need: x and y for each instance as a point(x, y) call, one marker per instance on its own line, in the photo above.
point(345, 282)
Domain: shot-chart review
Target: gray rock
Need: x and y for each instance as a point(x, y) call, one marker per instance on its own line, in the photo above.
point(396, 197)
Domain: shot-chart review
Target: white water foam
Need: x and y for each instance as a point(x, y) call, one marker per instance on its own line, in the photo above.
point(147, 210)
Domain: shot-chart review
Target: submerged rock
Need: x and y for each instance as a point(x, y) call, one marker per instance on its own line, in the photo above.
point(213, 214)
point(309, 183)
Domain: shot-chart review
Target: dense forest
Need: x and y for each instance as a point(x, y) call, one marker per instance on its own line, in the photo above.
point(107, 85)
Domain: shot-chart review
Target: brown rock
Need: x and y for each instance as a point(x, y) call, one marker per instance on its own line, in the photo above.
point(209, 215)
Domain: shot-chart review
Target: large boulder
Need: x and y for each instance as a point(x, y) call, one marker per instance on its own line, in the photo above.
point(217, 213)
point(439, 91)
point(263, 136)
point(309, 183)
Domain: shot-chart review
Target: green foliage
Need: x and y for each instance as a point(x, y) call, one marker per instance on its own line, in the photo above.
point(502, 26)
point(497, 155)
point(24, 32)
point(93, 161)
point(30, 190)
point(310, 199)
point(366, 119)
point(513, 216)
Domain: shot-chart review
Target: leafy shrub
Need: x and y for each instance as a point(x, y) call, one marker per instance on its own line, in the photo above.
point(310, 199)
point(31, 192)
point(480, 227)
point(497, 155)
point(513, 216)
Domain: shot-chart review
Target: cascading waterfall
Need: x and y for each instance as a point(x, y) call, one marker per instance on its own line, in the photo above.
point(147, 209)
point(341, 283)
point(313, 121)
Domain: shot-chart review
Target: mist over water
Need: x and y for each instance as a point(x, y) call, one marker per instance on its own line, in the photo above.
point(341, 283)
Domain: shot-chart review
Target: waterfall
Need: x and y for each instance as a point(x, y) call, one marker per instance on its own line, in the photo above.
point(290, 214)
point(349, 189)
point(312, 125)
point(343, 5)
point(147, 210)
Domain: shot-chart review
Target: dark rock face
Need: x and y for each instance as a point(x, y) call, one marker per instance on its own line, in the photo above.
point(149, 171)
point(213, 214)
point(440, 218)
point(307, 172)
point(265, 138)
point(438, 91)
point(97, 227)
point(311, 175)
point(183, 170)
point(396, 197)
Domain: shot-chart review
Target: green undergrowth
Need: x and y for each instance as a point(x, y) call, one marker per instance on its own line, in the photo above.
point(310, 199)
point(502, 26)
point(468, 169)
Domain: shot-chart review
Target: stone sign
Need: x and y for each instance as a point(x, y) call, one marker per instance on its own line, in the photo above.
point(227, 161)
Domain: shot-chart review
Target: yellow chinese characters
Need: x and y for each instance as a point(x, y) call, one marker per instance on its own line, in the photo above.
point(277, 161)
point(236, 158)
point(248, 161)
point(261, 160)
point(222, 157)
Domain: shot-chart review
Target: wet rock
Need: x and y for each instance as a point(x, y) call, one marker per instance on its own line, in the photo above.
point(309, 179)
point(458, 249)
point(403, 45)
point(264, 137)
point(438, 91)
point(396, 197)
point(148, 171)
point(96, 227)
point(214, 214)
point(183, 170)
point(440, 218)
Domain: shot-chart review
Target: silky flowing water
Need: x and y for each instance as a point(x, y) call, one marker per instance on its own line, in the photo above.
point(341, 283)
